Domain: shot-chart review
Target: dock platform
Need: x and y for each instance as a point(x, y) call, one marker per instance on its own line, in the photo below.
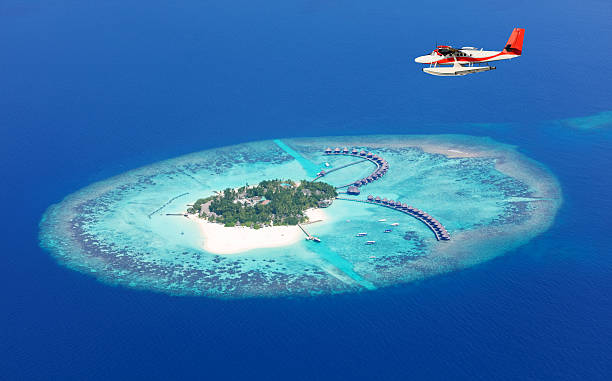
point(434, 225)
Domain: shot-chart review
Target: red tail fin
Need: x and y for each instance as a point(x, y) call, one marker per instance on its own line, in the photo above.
point(515, 42)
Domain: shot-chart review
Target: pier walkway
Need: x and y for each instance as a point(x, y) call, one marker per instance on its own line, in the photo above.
point(434, 225)
point(325, 173)
point(381, 165)
point(166, 204)
point(309, 236)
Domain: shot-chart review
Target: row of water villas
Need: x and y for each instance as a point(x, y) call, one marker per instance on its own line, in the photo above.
point(432, 223)
point(382, 166)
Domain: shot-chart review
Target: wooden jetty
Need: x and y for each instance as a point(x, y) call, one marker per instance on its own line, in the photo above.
point(166, 204)
point(434, 225)
point(382, 166)
point(308, 235)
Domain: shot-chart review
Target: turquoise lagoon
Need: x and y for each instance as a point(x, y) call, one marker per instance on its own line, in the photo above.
point(490, 198)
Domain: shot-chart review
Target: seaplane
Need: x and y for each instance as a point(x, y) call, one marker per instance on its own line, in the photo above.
point(448, 61)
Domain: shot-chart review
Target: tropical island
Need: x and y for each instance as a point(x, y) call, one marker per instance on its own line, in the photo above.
point(131, 229)
point(269, 203)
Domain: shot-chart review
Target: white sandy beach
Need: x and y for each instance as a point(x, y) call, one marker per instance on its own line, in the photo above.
point(219, 239)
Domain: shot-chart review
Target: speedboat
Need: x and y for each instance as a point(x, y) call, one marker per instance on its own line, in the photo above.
point(382, 220)
point(388, 230)
point(361, 234)
point(370, 242)
point(395, 224)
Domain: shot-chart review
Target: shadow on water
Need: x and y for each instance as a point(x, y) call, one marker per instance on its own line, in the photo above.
point(310, 168)
point(346, 267)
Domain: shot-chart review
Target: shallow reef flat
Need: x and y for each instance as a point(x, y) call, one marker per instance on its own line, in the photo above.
point(129, 230)
point(597, 121)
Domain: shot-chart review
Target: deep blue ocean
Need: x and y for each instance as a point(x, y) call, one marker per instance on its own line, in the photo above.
point(90, 89)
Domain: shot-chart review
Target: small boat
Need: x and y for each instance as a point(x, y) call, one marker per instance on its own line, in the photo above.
point(316, 239)
point(361, 234)
point(372, 256)
point(388, 230)
point(382, 220)
point(395, 224)
point(326, 164)
point(370, 242)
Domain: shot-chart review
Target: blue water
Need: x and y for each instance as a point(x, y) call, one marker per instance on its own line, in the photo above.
point(91, 89)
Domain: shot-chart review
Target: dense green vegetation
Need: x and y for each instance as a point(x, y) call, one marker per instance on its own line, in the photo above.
point(271, 202)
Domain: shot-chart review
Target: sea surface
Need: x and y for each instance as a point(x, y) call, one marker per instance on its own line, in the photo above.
point(94, 89)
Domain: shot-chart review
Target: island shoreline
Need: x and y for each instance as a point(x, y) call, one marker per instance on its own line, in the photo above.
point(222, 240)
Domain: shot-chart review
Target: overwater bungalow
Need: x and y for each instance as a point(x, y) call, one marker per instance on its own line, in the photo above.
point(345, 150)
point(353, 190)
point(337, 150)
point(328, 150)
point(377, 199)
point(362, 153)
point(354, 151)
point(369, 154)
point(370, 198)
point(385, 201)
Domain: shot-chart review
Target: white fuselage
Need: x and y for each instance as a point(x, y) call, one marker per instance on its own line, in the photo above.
point(465, 56)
